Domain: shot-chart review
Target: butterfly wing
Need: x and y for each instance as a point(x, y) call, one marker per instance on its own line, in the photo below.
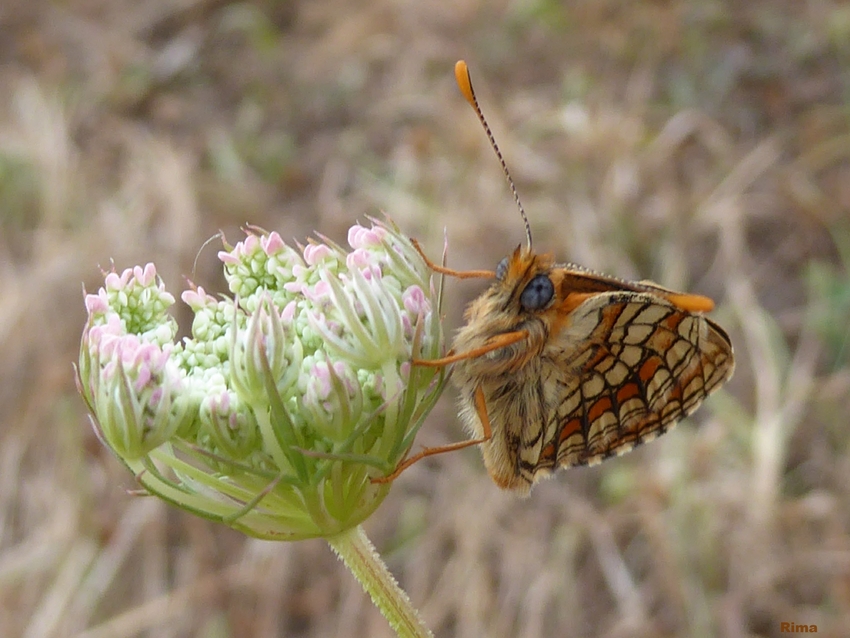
point(625, 368)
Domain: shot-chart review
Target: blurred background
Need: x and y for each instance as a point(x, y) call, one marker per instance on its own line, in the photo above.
point(701, 144)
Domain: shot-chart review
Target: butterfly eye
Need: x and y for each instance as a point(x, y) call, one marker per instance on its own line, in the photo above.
point(502, 269)
point(537, 293)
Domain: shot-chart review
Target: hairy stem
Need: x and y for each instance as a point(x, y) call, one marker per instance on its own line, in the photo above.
point(359, 555)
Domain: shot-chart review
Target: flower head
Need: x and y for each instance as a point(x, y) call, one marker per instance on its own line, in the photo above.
point(287, 399)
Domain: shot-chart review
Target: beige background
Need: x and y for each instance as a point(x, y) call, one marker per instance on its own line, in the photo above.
point(700, 144)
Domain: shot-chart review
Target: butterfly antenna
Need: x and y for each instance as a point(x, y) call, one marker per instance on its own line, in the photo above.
point(464, 82)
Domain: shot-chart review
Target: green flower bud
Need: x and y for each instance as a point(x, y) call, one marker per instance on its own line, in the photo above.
point(138, 386)
point(260, 351)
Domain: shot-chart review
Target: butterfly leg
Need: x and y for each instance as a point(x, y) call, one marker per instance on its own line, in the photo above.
point(480, 408)
point(460, 274)
point(499, 341)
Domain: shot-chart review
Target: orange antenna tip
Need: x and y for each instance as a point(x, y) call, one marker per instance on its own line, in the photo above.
point(464, 81)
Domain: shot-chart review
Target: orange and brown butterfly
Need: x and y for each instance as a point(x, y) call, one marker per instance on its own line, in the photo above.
point(559, 366)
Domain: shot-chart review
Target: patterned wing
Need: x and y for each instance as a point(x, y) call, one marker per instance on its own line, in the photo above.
point(626, 368)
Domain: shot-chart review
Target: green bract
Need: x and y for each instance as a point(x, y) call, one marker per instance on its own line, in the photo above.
point(287, 399)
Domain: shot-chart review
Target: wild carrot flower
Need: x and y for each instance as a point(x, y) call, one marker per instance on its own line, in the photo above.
point(289, 396)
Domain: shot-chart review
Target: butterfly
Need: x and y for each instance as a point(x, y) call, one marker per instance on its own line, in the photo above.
point(559, 366)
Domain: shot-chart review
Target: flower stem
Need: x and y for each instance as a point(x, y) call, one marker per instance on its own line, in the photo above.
point(359, 555)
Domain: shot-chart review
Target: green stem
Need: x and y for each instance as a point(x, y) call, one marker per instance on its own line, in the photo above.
point(359, 555)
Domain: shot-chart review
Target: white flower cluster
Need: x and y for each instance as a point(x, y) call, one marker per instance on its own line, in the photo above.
point(287, 398)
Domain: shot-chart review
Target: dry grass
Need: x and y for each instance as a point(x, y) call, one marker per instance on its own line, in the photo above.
point(701, 144)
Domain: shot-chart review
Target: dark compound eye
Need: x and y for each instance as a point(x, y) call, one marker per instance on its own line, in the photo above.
point(537, 293)
point(502, 269)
